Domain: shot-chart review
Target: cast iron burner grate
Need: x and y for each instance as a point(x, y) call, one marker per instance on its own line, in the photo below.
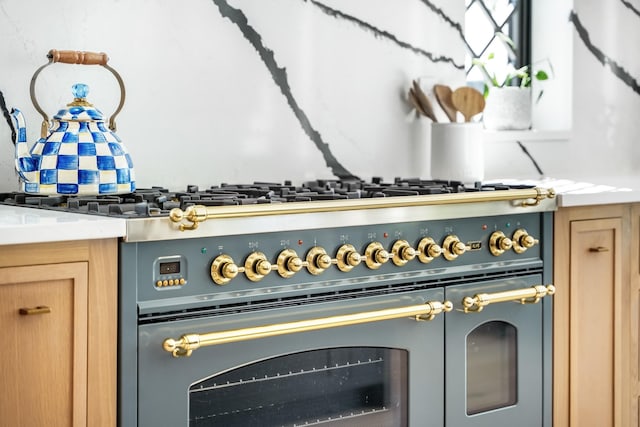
point(158, 201)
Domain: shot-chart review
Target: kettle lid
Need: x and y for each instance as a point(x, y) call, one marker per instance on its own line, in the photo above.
point(79, 109)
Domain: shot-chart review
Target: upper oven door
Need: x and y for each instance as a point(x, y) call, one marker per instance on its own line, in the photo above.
point(373, 364)
point(496, 356)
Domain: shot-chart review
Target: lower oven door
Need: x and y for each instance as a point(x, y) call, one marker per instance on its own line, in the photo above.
point(364, 370)
point(498, 357)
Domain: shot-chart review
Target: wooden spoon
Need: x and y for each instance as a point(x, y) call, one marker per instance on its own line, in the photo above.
point(468, 101)
point(424, 102)
point(414, 101)
point(443, 96)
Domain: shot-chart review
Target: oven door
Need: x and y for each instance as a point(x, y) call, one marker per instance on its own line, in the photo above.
point(496, 355)
point(373, 364)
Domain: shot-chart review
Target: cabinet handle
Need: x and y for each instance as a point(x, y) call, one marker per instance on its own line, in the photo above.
point(41, 309)
point(185, 345)
point(530, 295)
point(599, 249)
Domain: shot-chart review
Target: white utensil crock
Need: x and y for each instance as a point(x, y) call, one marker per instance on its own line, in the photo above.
point(457, 152)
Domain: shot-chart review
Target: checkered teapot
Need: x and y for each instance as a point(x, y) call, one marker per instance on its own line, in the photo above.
point(77, 153)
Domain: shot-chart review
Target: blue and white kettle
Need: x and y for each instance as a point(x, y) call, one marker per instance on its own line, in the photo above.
point(77, 153)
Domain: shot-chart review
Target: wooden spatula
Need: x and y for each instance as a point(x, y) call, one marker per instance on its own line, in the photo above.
point(443, 96)
point(468, 101)
point(414, 101)
point(424, 102)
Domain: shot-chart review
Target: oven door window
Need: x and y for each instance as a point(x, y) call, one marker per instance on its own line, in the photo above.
point(495, 358)
point(353, 386)
point(491, 367)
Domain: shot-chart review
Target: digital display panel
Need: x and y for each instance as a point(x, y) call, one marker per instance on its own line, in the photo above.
point(170, 267)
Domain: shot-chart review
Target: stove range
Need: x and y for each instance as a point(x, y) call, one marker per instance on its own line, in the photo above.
point(248, 281)
point(234, 299)
point(159, 201)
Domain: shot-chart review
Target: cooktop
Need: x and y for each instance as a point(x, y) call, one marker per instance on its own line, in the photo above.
point(159, 201)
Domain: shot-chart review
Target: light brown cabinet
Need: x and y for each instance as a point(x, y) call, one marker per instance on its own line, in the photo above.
point(595, 328)
point(634, 315)
point(59, 323)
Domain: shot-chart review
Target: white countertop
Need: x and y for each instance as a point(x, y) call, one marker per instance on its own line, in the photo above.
point(589, 191)
point(30, 225)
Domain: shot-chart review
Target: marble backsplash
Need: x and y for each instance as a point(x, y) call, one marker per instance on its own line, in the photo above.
point(243, 90)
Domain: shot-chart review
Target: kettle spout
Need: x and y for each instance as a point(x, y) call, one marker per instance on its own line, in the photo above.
point(24, 160)
point(20, 123)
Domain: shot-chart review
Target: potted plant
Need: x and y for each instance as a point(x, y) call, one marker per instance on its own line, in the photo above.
point(508, 92)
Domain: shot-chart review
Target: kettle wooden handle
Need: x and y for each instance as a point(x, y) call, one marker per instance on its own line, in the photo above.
point(75, 57)
point(78, 57)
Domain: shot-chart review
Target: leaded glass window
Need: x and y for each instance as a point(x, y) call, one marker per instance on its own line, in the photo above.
point(485, 18)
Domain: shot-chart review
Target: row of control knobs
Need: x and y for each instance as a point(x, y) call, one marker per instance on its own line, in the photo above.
point(317, 260)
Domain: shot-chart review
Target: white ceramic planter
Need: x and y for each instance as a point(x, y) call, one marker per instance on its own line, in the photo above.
point(508, 108)
point(457, 152)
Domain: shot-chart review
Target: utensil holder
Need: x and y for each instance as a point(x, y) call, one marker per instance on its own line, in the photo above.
point(457, 152)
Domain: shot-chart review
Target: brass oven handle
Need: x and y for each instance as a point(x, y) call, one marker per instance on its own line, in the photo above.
point(524, 296)
point(195, 214)
point(185, 345)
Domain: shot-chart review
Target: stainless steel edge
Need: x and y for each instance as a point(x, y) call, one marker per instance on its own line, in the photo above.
point(162, 228)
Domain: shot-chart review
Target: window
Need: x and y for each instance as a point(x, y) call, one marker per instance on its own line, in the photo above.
point(483, 18)
point(527, 23)
point(359, 385)
point(492, 367)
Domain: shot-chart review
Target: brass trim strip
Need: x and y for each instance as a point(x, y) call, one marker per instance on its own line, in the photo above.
point(197, 213)
point(529, 295)
point(185, 345)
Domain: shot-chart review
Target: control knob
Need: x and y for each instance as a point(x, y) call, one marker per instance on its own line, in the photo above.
point(317, 260)
point(288, 263)
point(402, 253)
point(498, 243)
point(523, 240)
point(256, 266)
point(428, 249)
point(223, 269)
point(453, 247)
point(347, 257)
point(375, 255)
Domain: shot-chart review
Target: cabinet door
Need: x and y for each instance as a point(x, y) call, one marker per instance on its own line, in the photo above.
point(43, 362)
point(595, 322)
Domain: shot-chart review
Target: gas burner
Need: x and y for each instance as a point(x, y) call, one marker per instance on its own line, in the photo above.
point(142, 203)
point(158, 201)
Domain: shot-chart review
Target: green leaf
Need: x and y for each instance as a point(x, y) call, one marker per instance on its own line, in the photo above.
point(541, 75)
